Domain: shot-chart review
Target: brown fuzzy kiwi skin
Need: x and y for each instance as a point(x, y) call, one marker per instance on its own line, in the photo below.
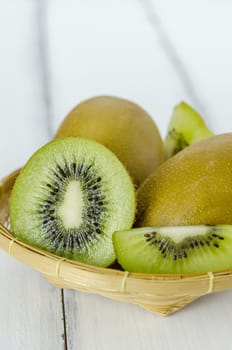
point(123, 127)
point(194, 187)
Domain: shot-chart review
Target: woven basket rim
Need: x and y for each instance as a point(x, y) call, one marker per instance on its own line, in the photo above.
point(4, 232)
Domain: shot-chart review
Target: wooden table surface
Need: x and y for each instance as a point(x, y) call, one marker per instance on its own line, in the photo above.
point(53, 54)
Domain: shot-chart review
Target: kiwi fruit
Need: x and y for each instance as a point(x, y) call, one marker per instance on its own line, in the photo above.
point(175, 250)
point(193, 187)
point(69, 199)
point(185, 128)
point(123, 127)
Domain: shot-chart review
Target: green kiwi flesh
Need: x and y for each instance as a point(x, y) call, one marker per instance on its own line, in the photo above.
point(69, 199)
point(185, 128)
point(175, 250)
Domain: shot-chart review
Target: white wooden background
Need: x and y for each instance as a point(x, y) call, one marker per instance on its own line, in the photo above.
point(55, 53)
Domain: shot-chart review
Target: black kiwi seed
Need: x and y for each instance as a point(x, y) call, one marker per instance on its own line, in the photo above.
point(53, 193)
point(79, 169)
point(45, 206)
point(74, 168)
point(147, 235)
point(61, 171)
point(68, 170)
point(163, 250)
point(154, 241)
point(162, 244)
point(86, 170)
point(58, 177)
point(71, 242)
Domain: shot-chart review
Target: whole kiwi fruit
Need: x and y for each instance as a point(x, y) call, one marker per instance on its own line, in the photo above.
point(193, 187)
point(123, 127)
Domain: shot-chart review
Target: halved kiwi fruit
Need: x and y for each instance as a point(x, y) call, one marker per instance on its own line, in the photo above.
point(185, 128)
point(69, 199)
point(175, 250)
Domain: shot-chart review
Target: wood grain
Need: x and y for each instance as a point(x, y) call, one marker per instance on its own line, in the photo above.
point(31, 309)
point(109, 48)
point(200, 31)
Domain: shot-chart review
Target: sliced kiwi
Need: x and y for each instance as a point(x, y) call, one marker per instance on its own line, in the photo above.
point(69, 199)
point(185, 127)
point(170, 250)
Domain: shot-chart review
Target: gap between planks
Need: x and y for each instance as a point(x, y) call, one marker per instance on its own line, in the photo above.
point(43, 52)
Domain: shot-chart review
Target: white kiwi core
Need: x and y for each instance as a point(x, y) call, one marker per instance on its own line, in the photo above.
point(180, 233)
point(71, 208)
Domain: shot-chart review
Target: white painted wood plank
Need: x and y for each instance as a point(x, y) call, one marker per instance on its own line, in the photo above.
point(101, 324)
point(22, 108)
point(200, 31)
point(31, 312)
point(111, 48)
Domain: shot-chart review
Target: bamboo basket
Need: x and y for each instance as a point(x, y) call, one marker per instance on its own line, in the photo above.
point(162, 294)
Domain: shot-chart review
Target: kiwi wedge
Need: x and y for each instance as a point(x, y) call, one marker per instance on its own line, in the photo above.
point(69, 199)
point(123, 127)
point(175, 250)
point(185, 128)
point(192, 188)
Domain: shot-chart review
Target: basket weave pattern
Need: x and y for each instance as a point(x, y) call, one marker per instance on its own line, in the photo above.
point(162, 294)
